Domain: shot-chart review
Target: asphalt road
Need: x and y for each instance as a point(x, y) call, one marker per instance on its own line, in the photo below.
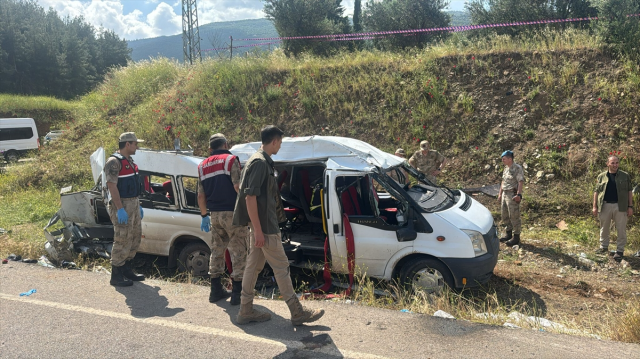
point(77, 314)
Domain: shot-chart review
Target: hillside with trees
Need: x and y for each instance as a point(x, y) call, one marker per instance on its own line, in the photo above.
point(44, 54)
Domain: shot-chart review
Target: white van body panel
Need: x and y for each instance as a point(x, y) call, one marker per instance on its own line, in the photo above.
point(310, 148)
point(18, 145)
point(161, 228)
point(373, 248)
point(476, 218)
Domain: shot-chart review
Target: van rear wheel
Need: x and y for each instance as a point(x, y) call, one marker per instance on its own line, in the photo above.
point(194, 258)
point(427, 275)
point(11, 156)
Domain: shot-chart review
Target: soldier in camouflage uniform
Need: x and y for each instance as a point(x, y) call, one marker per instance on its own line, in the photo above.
point(218, 182)
point(394, 173)
point(428, 161)
point(510, 196)
point(124, 210)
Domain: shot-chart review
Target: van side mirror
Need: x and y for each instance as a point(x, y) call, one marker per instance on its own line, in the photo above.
point(406, 234)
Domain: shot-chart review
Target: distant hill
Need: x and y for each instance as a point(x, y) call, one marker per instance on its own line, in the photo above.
point(213, 35)
point(216, 35)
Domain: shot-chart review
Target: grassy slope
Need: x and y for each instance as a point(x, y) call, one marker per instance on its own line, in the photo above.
point(569, 105)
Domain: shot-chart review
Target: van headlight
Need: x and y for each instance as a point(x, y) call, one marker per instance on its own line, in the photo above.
point(477, 241)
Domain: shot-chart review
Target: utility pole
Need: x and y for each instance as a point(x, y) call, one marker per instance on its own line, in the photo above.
point(190, 32)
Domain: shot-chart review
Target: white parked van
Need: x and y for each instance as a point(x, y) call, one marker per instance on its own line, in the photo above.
point(339, 201)
point(17, 136)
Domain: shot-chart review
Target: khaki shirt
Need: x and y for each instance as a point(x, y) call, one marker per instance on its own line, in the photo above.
point(258, 179)
point(511, 176)
point(623, 186)
point(427, 163)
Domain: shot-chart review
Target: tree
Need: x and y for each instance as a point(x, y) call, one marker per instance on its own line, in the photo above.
point(357, 16)
point(387, 15)
point(504, 11)
point(622, 33)
point(293, 18)
point(42, 54)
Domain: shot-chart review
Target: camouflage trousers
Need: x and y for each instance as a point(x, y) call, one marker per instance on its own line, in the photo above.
point(126, 237)
point(224, 235)
point(511, 213)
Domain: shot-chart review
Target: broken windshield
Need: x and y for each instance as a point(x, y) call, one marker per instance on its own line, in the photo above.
point(429, 196)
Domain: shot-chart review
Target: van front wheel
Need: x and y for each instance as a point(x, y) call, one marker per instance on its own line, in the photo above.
point(194, 258)
point(11, 156)
point(426, 274)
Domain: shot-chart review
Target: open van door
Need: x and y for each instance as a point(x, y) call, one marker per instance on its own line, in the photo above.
point(351, 192)
point(97, 169)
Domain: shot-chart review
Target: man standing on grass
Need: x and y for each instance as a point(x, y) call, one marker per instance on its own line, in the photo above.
point(509, 197)
point(613, 201)
point(428, 161)
point(218, 183)
point(124, 209)
point(256, 206)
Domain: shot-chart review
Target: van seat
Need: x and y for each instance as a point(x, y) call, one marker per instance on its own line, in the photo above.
point(349, 200)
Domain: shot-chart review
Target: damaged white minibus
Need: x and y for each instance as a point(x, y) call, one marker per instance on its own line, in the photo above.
point(342, 208)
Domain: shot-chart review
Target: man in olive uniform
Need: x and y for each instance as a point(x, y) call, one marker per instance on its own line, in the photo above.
point(124, 209)
point(256, 205)
point(218, 183)
point(509, 197)
point(394, 173)
point(613, 201)
point(428, 161)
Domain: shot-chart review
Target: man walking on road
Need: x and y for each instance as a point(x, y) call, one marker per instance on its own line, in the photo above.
point(509, 197)
point(256, 206)
point(124, 209)
point(428, 161)
point(613, 201)
point(218, 183)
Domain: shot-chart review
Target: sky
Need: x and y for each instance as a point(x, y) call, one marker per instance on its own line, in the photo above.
point(140, 19)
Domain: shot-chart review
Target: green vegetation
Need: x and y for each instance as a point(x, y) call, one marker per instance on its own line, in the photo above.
point(42, 54)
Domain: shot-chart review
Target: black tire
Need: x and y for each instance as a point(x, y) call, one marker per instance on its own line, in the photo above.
point(426, 274)
point(11, 156)
point(194, 258)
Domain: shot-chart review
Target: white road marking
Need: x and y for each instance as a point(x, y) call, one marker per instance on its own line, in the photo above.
point(284, 344)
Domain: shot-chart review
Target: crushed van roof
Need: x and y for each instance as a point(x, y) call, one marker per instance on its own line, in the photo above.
point(300, 149)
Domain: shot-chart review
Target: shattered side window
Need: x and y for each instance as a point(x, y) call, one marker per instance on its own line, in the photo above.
point(158, 191)
point(190, 192)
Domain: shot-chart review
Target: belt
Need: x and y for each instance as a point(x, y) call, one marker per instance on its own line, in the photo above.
point(610, 202)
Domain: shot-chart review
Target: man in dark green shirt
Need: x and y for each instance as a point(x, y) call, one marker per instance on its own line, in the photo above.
point(613, 201)
point(258, 198)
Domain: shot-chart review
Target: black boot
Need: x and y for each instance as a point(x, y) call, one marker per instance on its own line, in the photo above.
point(515, 240)
point(506, 237)
point(217, 292)
point(128, 272)
point(235, 292)
point(117, 279)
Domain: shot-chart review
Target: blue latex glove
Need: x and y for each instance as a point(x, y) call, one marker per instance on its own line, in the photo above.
point(206, 222)
point(141, 213)
point(123, 218)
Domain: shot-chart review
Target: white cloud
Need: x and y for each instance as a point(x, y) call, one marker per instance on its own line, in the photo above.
point(229, 10)
point(164, 20)
point(110, 14)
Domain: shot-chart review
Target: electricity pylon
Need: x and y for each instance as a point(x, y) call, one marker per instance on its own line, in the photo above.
point(190, 32)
